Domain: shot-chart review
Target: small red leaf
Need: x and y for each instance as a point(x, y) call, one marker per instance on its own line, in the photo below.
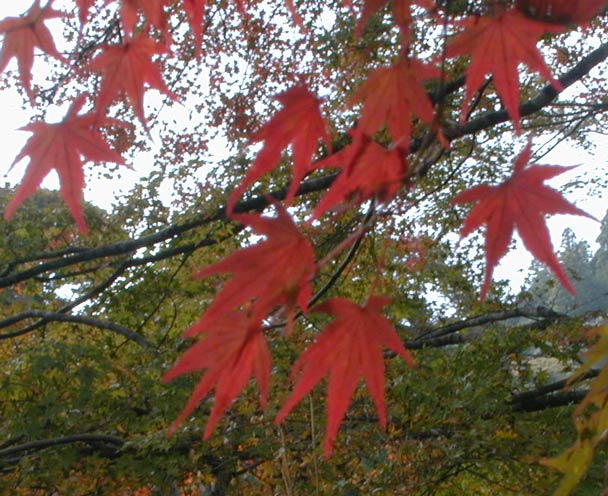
point(153, 10)
point(368, 171)
point(22, 35)
point(298, 123)
point(195, 11)
point(392, 96)
point(519, 203)
point(497, 45)
point(275, 271)
point(65, 147)
point(348, 349)
point(230, 352)
point(126, 69)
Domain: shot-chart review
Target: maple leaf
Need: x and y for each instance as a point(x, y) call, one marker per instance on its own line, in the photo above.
point(348, 349)
point(275, 271)
point(195, 11)
point(519, 203)
point(22, 35)
point(562, 11)
point(497, 45)
point(368, 171)
point(401, 13)
point(126, 69)
point(231, 351)
point(83, 9)
point(392, 95)
point(300, 123)
point(153, 10)
point(63, 146)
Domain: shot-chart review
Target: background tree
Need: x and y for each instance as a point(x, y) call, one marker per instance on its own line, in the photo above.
point(421, 106)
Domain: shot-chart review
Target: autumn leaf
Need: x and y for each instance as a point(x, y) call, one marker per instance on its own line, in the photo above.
point(298, 123)
point(153, 10)
point(497, 45)
point(230, 352)
point(64, 146)
point(368, 171)
point(392, 96)
point(22, 35)
point(401, 13)
point(519, 203)
point(195, 11)
point(275, 271)
point(348, 349)
point(562, 11)
point(83, 9)
point(126, 69)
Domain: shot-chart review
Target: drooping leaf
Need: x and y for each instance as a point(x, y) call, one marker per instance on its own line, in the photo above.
point(126, 69)
point(348, 349)
point(497, 45)
point(519, 203)
point(232, 350)
point(22, 35)
point(298, 123)
point(392, 96)
point(153, 10)
point(83, 9)
point(195, 11)
point(401, 13)
point(275, 271)
point(368, 171)
point(562, 11)
point(64, 146)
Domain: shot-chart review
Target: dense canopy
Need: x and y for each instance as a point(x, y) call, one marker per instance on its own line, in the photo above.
point(325, 191)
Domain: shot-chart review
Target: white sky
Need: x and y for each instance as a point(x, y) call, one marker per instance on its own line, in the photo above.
point(513, 266)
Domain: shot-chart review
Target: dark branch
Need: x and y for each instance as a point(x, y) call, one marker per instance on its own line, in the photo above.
point(76, 319)
point(90, 439)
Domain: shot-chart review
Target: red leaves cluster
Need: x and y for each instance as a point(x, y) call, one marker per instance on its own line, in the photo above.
point(279, 270)
point(350, 348)
point(519, 203)
point(64, 146)
point(497, 45)
point(298, 123)
point(22, 35)
point(232, 349)
point(125, 70)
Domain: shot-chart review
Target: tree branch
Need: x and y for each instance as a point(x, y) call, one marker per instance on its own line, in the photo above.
point(90, 439)
point(76, 319)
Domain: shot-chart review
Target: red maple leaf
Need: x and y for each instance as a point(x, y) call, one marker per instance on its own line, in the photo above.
point(276, 271)
point(195, 11)
point(401, 13)
point(126, 69)
point(391, 96)
point(519, 203)
point(64, 146)
point(83, 9)
point(497, 45)
point(22, 35)
point(153, 10)
point(562, 11)
point(368, 171)
point(348, 349)
point(230, 352)
point(300, 123)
